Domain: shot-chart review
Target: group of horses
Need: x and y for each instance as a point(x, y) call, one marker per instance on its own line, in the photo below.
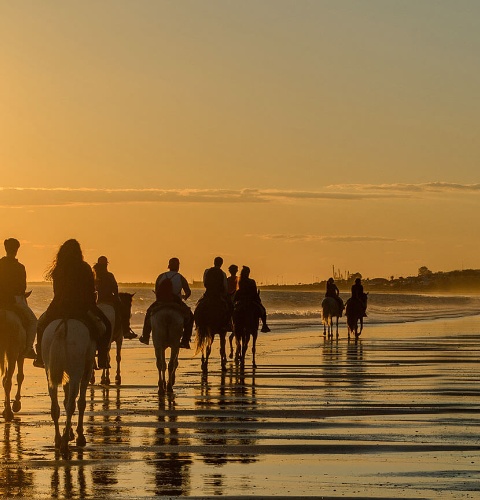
point(69, 350)
point(69, 353)
point(332, 310)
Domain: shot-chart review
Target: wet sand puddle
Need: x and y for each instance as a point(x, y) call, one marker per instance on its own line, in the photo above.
point(378, 418)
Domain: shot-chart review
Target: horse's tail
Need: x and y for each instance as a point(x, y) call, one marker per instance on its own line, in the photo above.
point(56, 369)
point(202, 338)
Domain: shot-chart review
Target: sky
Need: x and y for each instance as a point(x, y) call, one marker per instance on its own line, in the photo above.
point(287, 135)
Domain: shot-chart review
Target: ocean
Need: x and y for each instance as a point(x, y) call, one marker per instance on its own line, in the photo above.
point(290, 310)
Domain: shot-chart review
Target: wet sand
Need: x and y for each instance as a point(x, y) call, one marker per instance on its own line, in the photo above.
point(395, 415)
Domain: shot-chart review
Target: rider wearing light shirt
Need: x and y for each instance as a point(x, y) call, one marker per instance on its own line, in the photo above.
point(177, 285)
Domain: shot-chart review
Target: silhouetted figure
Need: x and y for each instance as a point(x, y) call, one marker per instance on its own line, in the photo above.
point(215, 280)
point(333, 291)
point(247, 290)
point(13, 284)
point(232, 280)
point(107, 292)
point(168, 288)
point(358, 293)
point(74, 297)
point(232, 287)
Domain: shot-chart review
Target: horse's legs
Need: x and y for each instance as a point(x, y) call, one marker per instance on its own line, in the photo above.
point(161, 367)
point(223, 353)
point(208, 350)
point(254, 348)
point(230, 340)
point(82, 404)
point(17, 404)
point(245, 339)
point(337, 326)
point(71, 392)
point(7, 386)
point(118, 377)
point(172, 367)
point(55, 414)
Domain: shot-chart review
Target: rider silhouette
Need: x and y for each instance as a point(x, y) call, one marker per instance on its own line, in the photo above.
point(168, 288)
point(358, 293)
point(106, 287)
point(247, 290)
point(13, 283)
point(74, 298)
point(333, 291)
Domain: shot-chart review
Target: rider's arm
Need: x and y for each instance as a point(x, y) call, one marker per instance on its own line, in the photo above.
point(185, 288)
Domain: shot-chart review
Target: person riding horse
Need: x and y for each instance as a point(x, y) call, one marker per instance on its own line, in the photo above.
point(247, 291)
point(74, 298)
point(333, 291)
point(168, 289)
point(358, 293)
point(13, 284)
point(106, 287)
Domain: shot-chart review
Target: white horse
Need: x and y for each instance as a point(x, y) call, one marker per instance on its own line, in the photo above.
point(68, 353)
point(12, 346)
point(330, 309)
point(167, 331)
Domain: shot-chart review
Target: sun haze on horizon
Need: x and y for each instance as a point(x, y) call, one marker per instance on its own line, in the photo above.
point(288, 136)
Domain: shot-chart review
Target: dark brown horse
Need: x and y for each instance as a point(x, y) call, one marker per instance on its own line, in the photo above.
point(212, 318)
point(354, 312)
point(246, 316)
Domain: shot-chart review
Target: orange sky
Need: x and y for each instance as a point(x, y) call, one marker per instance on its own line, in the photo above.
point(289, 136)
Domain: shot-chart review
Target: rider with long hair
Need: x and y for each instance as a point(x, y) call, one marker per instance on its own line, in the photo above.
point(247, 290)
point(74, 297)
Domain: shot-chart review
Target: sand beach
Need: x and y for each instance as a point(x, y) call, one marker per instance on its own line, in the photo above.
point(394, 415)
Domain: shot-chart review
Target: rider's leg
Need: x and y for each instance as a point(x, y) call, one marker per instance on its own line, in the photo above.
point(41, 325)
point(187, 329)
point(147, 326)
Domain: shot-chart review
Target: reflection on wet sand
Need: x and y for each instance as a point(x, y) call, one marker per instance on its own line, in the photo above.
point(105, 431)
point(220, 412)
point(172, 469)
point(66, 484)
point(15, 479)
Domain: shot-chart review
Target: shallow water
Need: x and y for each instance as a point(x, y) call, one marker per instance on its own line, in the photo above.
point(394, 415)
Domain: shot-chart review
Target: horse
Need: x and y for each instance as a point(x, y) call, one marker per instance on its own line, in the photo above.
point(68, 354)
point(12, 345)
point(354, 312)
point(246, 316)
point(167, 330)
point(330, 309)
point(119, 328)
point(211, 317)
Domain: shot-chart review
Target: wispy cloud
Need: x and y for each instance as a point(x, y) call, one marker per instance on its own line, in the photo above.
point(427, 187)
point(18, 197)
point(326, 238)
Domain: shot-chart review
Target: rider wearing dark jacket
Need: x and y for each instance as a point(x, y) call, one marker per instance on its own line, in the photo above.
point(74, 298)
point(333, 291)
point(358, 293)
point(247, 291)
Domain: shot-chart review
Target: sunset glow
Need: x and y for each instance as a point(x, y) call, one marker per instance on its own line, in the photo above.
point(289, 136)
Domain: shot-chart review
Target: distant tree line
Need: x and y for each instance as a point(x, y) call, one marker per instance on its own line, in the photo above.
point(465, 281)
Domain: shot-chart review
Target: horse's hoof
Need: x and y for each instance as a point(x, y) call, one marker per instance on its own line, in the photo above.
point(7, 414)
point(169, 388)
point(16, 406)
point(58, 441)
point(81, 441)
point(118, 380)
